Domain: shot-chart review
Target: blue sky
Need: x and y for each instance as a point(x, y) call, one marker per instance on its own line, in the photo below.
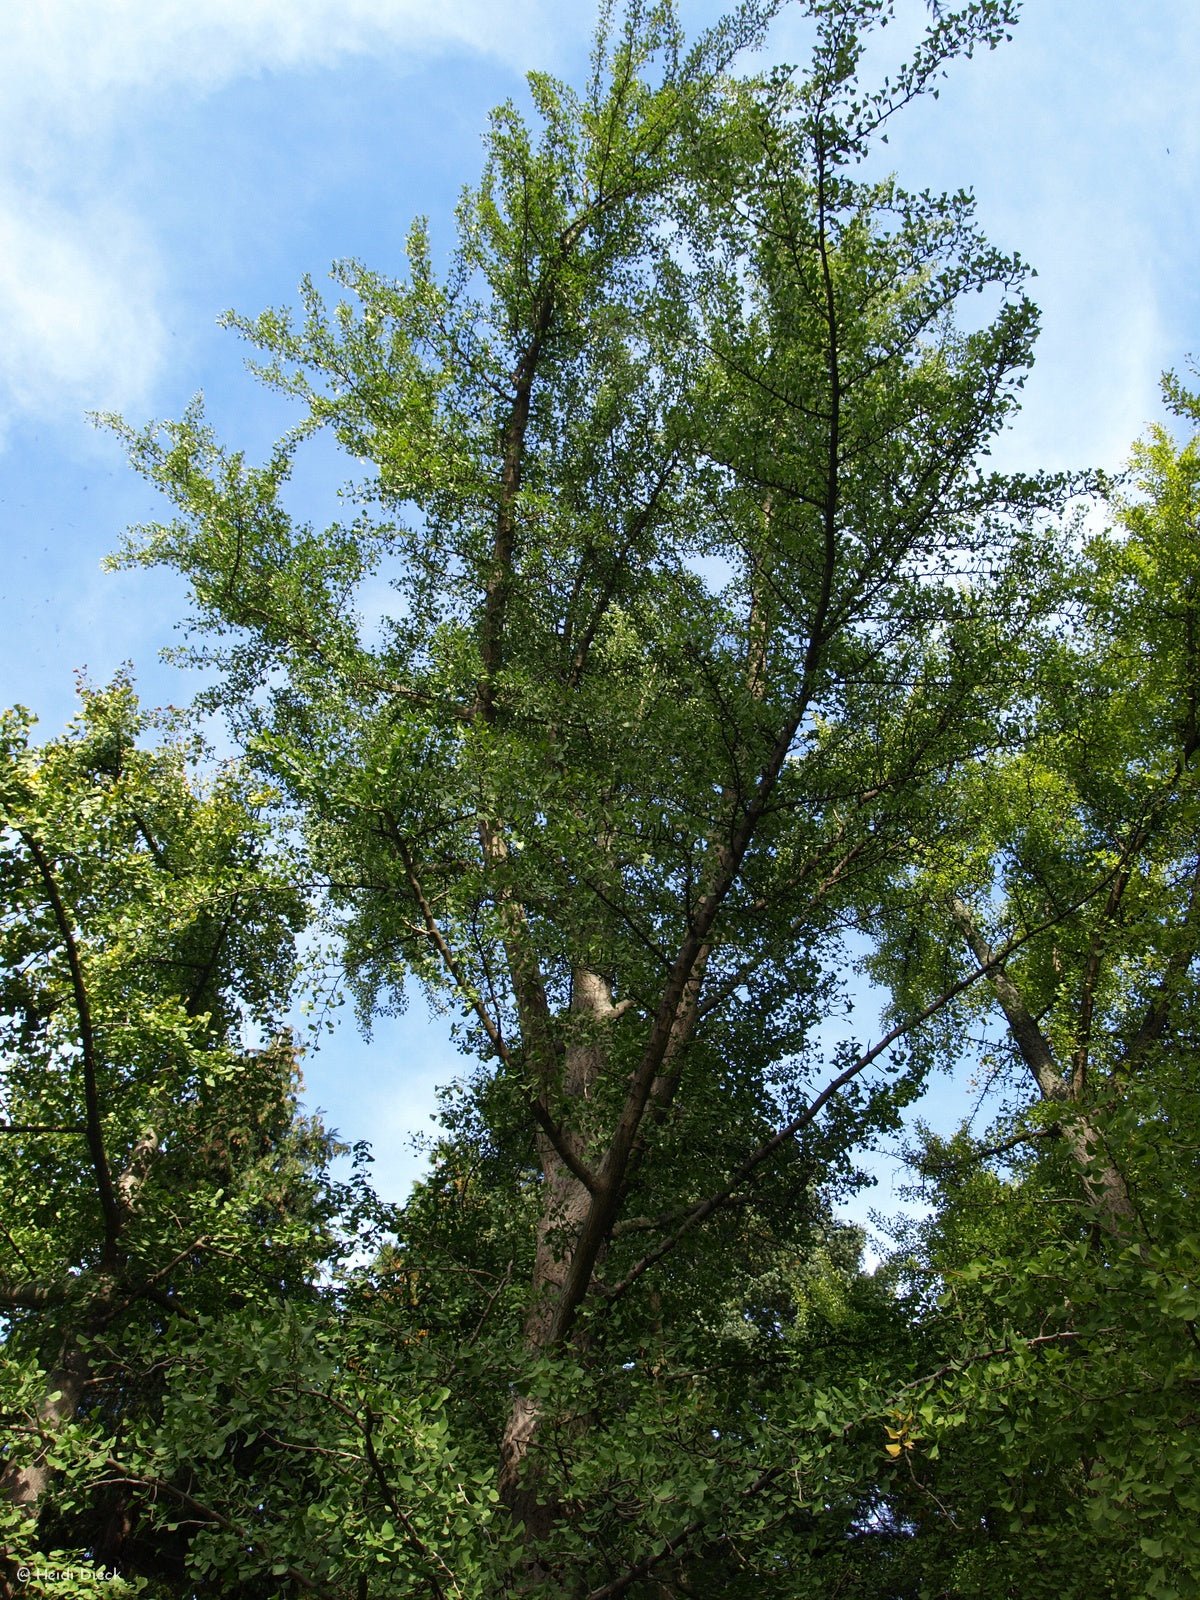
point(163, 162)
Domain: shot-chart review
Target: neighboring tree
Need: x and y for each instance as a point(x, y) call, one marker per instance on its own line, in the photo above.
point(1064, 1242)
point(156, 1174)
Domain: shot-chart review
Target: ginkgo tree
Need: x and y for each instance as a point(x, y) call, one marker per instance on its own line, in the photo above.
point(716, 649)
point(675, 470)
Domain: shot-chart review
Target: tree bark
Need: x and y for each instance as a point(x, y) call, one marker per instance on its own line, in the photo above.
point(1103, 1184)
point(25, 1487)
point(564, 1210)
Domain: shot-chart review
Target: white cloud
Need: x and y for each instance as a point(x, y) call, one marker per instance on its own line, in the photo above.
point(74, 58)
point(78, 324)
point(82, 286)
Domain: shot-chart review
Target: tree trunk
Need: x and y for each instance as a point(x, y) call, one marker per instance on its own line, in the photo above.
point(1103, 1184)
point(25, 1487)
point(565, 1204)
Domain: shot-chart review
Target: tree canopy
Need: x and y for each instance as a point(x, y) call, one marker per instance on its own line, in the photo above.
point(722, 673)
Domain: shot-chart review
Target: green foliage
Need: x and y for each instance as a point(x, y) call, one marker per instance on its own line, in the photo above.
point(157, 1173)
point(1059, 1286)
point(713, 643)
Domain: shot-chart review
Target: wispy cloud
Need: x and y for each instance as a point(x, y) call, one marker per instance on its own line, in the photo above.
point(78, 324)
point(78, 56)
point(83, 283)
